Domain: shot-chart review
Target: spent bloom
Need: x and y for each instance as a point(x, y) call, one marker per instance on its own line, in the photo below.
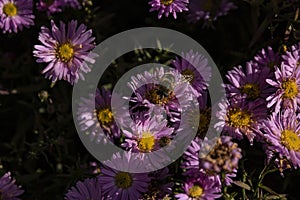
point(8, 189)
point(88, 189)
point(166, 7)
point(287, 82)
point(16, 14)
point(214, 156)
point(65, 51)
point(201, 186)
point(282, 136)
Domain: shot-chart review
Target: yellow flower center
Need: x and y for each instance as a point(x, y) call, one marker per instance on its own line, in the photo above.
point(195, 192)
point(159, 95)
point(65, 52)
point(188, 75)
point(123, 180)
point(290, 139)
point(146, 142)
point(290, 89)
point(166, 2)
point(10, 9)
point(105, 116)
point(251, 90)
point(238, 118)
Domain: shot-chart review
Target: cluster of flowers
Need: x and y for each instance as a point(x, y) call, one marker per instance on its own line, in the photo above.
point(16, 14)
point(263, 103)
point(160, 99)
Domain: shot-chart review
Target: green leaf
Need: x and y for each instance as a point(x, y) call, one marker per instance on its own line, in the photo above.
point(280, 196)
point(274, 194)
point(242, 185)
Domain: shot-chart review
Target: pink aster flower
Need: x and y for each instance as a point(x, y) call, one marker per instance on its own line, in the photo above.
point(147, 136)
point(201, 186)
point(249, 83)
point(99, 121)
point(282, 134)
point(241, 119)
point(267, 58)
point(163, 88)
point(65, 51)
point(194, 67)
point(287, 83)
point(168, 7)
point(15, 14)
point(292, 56)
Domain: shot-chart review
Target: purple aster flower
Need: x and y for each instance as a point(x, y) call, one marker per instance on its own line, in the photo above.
point(88, 189)
point(52, 6)
point(287, 83)
point(55, 6)
point(208, 10)
point(147, 136)
point(119, 185)
point(66, 51)
point(98, 122)
point(198, 116)
point(283, 137)
point(160, 88)
point(168, 7)
point(241, 119)
point(292, 56)
point(267, 58)
point(8, 189)
point(189, 66)
point(201, 186)
point(15, 14)
point(160, 185)
point(73, 4)
point(250, 83)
